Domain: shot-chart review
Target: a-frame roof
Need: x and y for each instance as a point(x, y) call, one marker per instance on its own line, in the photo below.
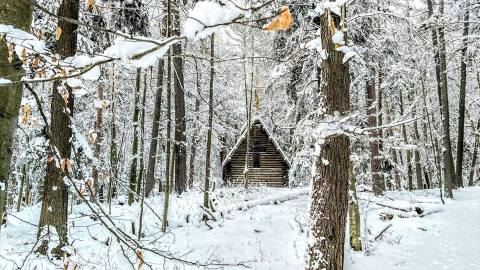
point(243, 135)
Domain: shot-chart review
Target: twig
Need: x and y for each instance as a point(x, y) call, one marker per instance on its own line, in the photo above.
point(381, 233)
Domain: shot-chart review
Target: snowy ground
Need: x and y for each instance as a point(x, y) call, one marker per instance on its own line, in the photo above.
point(263, 236)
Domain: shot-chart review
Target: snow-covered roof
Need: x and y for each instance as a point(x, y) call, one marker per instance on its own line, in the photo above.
point(256, 120)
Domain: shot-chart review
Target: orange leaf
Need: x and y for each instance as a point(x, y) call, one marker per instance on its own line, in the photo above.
point(282, 22)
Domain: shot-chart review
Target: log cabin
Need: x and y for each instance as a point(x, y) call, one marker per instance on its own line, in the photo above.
point(268, 164)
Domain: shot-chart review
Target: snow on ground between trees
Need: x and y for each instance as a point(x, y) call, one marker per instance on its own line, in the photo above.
point(269, 232)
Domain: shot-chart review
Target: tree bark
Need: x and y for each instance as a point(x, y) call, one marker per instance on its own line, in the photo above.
point(157, 115)
point(134, 164)
point(54, 211)
point(206, 187)
point(393, 152)
point(329, 205)
point(353, 212)
point(378, 183)
point(19, 15)
point(113, 139)
point(97, 145)
point(418, 163)
point(475, 156)
point(168, 163)
point(408, 152)
point(461, 100)
point(141, 174)
point(180, 123)
point(438, 37)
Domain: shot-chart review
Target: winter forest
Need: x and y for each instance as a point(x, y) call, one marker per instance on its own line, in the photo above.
point(240, 134)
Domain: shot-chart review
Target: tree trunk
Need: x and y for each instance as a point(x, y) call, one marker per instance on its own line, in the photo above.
point(168, 160)
point(418, 163)
point(193, 146)
point(461, 100)
point(408, 152)
point(97, 145)
point(329, 205)
point(180, 123)
point(378, 184)
point(142, 136)
point(19, 15)
point(54, 211)
point(113, 138)
point(393, 152)
point(157, 115)
point(475, 156)
point(441, 70)
point(133, 165)
point(353, 212)
point(206, 187)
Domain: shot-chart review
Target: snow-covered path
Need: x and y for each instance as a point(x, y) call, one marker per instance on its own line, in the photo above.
point(273, 236)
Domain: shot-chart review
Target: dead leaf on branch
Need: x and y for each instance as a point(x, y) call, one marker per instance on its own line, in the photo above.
point(66, 165)
point(91, 6)
point(139, 254)
point(26, 112)
point(58, 33)
point(283, 21)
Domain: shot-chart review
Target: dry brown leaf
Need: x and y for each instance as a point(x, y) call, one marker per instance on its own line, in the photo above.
point(63, 91)
point(58, 33)
point(27, 111)
point(283, 21)
point(89, 183)
point(24, 56)
point(36, 62)
point(10, 52)
point(68, 163)
point(139, 254)
point(91, 6)
point(62, 165)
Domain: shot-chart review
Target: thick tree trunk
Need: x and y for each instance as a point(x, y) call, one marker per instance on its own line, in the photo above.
point(438, 37)
point(329, 205)
point(157, 115)
point(461, 100)
point(180, 123)
point(136, 131)
point(378, 184)
point(206, 186)
point(54, 211)
point(19, 15)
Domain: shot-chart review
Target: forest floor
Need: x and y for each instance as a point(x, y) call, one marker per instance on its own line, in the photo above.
point(269, 232)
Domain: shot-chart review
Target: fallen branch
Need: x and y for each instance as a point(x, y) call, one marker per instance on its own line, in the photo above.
point(383, 231)
point(267, 201)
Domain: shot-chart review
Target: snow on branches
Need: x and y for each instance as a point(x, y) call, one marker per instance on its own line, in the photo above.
point(207, 17)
